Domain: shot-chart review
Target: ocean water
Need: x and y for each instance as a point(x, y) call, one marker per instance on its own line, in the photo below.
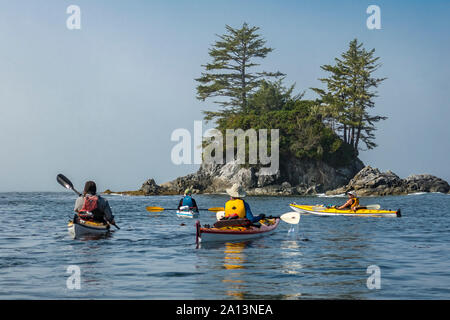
point(154, 256)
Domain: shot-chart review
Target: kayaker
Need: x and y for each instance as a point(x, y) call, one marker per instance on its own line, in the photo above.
point(187, 200)
point(236, 207)
point(352, 202)
point(91, 206)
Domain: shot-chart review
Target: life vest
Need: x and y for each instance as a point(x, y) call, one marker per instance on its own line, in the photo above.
point(355, 203)
point(90, 205)
point(187, 201)
point(235, 208)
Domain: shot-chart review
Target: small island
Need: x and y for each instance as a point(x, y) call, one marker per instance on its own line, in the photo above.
point(320, 139)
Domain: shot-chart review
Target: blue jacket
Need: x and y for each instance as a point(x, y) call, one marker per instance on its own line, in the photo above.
point(249, 214)
point(188, 201)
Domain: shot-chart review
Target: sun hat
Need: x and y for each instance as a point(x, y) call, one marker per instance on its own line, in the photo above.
point(351, 193)
point(236, 191)
point(188, 191)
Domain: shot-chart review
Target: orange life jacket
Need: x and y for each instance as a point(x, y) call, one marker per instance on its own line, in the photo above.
point(355, 203)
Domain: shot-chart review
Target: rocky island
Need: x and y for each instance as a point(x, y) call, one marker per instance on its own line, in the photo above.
point(319, 139)
point(308, 179)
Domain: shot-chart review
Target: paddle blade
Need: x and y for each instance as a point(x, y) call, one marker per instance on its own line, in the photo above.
point(291, 217)
point(215, 209)
point(62, 180)
point(154, 209)
point(220, 215)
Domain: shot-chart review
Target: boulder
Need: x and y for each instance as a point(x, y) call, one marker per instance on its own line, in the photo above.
point(372, 182)
point(425, 183)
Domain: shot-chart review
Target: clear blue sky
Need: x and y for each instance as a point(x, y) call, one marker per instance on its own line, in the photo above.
point(101, 102)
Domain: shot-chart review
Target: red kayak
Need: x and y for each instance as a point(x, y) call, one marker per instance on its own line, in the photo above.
point(234, 233)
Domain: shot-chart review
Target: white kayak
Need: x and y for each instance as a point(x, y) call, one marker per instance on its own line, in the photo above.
point(325, 211)
point(207, 234)
point(83, 227)
point(187, 214)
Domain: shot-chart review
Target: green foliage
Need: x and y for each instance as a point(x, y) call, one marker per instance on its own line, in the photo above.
point(302, 132)
point(328, 129)
point(346, 102)
point(229, 75)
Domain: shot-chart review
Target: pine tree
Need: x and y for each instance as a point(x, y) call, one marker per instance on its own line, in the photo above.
point(346, 102)
point(229, 75)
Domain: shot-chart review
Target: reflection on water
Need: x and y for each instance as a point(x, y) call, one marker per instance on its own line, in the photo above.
point(234, 256)
point(291, 257)
point(234, 259)
point(89, 237)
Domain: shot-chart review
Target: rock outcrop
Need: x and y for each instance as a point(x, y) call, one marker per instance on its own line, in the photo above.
point(372, 182)
point(294, 177)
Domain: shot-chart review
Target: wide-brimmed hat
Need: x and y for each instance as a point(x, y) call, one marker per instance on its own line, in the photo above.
point(188, 191)
point(353, 193)
point(236, 191)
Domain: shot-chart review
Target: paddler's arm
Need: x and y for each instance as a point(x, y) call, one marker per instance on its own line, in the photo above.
point(104, 206)
point(78, 204)
point(348, 203)
point(180, 203)
point(249, 214)
point(194, 205)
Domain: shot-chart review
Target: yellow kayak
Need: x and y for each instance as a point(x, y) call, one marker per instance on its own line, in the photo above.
point(324, 211)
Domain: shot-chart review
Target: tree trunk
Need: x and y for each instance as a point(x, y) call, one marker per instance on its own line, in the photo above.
point(352, 135)
point(358, 133)
point(243, 83)
point(345, 133)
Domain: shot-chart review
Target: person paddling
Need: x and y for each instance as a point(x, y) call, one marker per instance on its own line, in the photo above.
point(352, 203)
point(237, 208)
point(188, 201)
point(90, 206)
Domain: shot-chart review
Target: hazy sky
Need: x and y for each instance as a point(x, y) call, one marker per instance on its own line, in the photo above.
point(101, 102)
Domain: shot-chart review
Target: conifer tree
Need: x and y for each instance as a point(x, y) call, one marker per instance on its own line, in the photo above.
point(346, 102)
point(230, 75)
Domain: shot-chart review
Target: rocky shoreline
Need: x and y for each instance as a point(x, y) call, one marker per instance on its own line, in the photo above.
point(305, 178)
point(372, 182)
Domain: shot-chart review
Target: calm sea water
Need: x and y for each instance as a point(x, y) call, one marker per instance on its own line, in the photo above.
point(154, 255)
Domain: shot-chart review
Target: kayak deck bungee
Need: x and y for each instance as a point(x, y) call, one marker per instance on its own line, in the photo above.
point(324, 211)
point(234, 233)
point(187, 214)
point(84, 227)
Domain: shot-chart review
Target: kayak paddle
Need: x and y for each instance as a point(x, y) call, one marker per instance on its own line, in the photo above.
point(158, 209)
point(289, 217)
point(66, 183)
point(62, 180)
